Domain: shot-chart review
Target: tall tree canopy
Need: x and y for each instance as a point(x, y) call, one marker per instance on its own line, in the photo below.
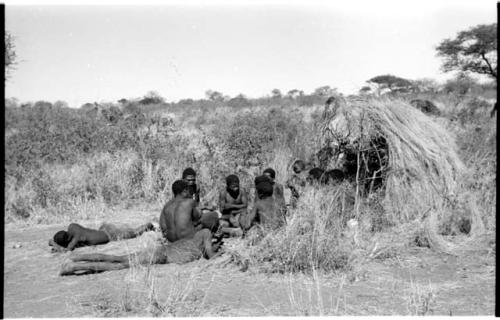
point(473, 50)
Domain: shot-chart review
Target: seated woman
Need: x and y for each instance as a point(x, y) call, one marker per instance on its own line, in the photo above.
point(181, 251)
point(78, 236)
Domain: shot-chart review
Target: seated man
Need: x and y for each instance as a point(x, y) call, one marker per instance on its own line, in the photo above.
point(296, 181)
point(233, 204)
point(278, 193)
point(189, 176)
point(181, 251)
point(78, 236)
point(265, 212)
point(180, 215)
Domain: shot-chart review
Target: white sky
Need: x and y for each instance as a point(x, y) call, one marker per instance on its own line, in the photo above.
point(181, 49)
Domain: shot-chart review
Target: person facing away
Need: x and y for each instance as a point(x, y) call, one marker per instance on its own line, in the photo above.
point(78, 236)
point(233, 202)
point(180, 215)
point(278, 192)
point(266, 212)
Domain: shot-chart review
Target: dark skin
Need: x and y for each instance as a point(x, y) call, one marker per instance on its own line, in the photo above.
point(266, 212)
point(80, 236)
point(199, 245)
point(191, 181)
point(278, 193)
point(179, 216)
point(297, 180)
point(230, 205)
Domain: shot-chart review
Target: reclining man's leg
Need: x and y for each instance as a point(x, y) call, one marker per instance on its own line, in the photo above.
point(91, 267)
point(121, 233)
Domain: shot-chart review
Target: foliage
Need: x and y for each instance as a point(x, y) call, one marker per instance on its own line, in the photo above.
point(240, 101)
point(214, 95)
point(10, 54)
point(152, 97)
point(325, 91)
point(473, 50)
point(461, 84)
point(393, 83)
point(276, 93)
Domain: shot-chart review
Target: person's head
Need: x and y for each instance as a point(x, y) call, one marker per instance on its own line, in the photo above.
point(315, 175)
point(264, 189)
point(270, 173)
point(232, 183)
point(298, 166)
point(62, 238)
point(261, 178)
point(189, 175)
point(334, 175)
point(180, 188)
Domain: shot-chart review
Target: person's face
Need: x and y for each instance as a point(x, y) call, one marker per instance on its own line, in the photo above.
point(267, 174)
point(234, 187)
point(191, 180)
point(297, 168)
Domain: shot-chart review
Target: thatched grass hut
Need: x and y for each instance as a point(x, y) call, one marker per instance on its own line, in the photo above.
point(417, 162)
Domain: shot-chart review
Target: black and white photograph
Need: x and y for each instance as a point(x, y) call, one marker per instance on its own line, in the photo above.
point(250, 158)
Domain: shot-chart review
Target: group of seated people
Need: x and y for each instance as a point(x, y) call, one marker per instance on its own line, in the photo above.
point(191, 229)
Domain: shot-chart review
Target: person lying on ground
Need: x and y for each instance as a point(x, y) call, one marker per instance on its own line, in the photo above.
point(180, 252)
point(296, 181)
point(266, 211)
point(278, 193)
point(78, 236)
point(233, 204)
point(180, 215)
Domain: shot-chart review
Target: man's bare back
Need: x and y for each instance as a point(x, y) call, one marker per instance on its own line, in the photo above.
point(266, 211)
point(179, 216)
point(79, 236)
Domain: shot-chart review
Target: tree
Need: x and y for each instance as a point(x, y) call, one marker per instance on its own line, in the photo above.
point(393, 83)
point(473, 50)
point(365, 90)
point(461, 84)
point(152, 97)
point(214, 95)
point(276, 93)
point(325, 91)
point(294, 93)
point(426, 85)
point(10, 54)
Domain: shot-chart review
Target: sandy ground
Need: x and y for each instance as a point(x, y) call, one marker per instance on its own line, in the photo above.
point(419, 281)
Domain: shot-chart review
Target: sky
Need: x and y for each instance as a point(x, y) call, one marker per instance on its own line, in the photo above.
point(81, 53)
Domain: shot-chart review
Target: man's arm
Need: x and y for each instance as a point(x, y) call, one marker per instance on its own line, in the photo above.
point(73, 243)
point(251, 217)
point(56, 247)
point(163, 223)
point(209, 248)
point(195, 212)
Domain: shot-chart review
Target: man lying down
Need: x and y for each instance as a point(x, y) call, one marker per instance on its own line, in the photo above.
point(180, 252)
point(79, 236)
point(188, 243)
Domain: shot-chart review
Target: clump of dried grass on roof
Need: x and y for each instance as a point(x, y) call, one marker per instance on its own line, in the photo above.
point(422, 164)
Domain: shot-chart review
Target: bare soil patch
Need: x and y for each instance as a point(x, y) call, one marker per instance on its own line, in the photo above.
point(418, 281)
